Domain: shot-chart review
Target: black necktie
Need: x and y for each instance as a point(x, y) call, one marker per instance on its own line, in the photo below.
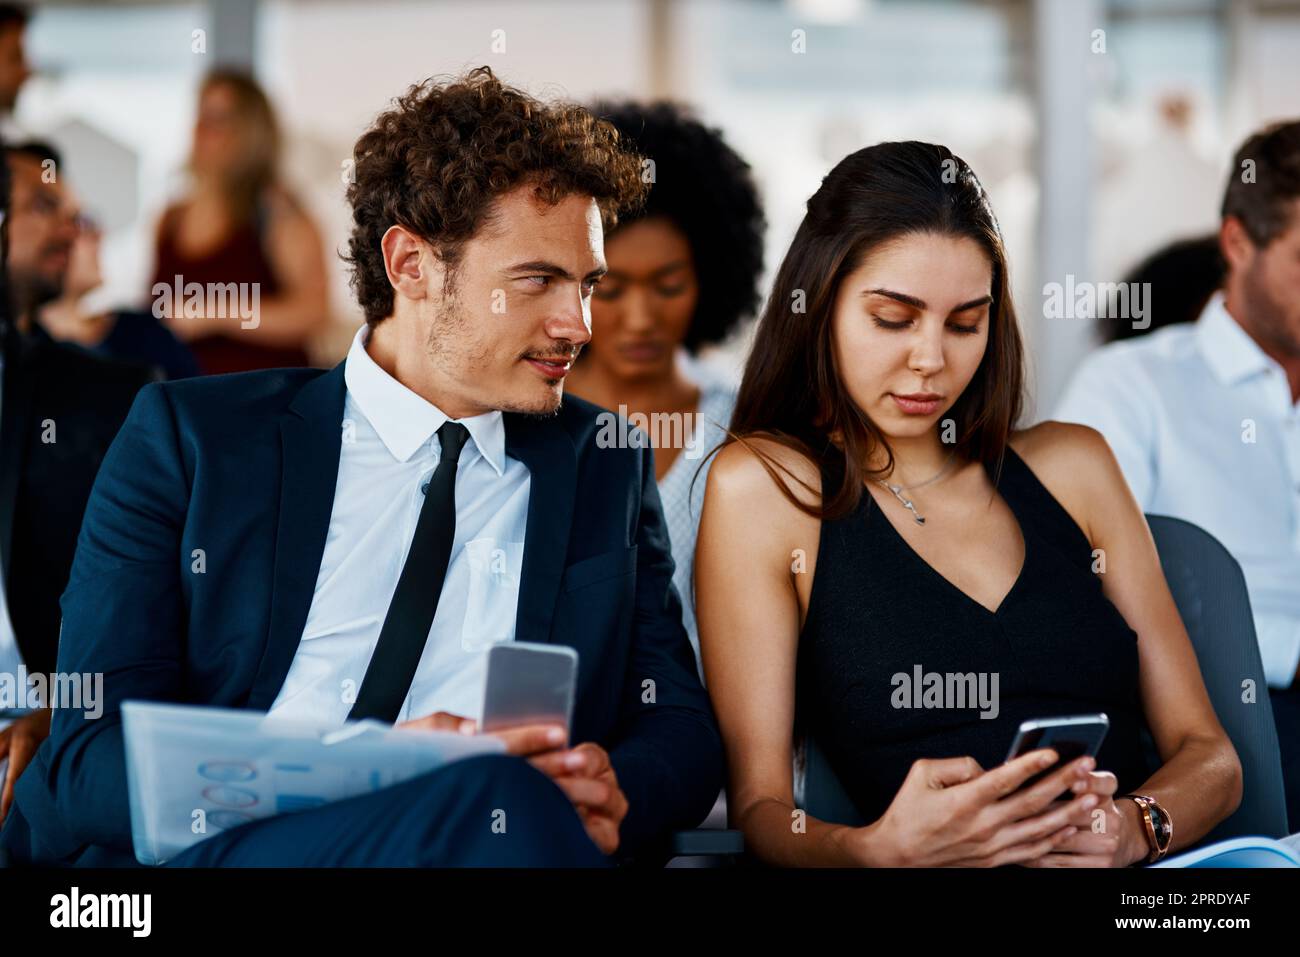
point(410, 613)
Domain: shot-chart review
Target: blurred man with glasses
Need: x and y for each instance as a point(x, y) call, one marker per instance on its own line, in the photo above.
point(60, 408)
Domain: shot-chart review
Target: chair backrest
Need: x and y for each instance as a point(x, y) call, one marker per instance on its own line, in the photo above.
point(1210, 592)
point(824, 798)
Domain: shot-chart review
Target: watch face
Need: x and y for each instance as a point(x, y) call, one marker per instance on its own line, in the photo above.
point(1161, 822)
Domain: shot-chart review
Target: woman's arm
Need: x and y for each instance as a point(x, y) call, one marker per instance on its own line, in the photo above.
point(301, 307)
point(1200, 780)
point(748, 609)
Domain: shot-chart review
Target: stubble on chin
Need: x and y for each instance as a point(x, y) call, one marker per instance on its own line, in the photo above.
point(1269, 318)
point(452, 325)
point(541, 411)
point(542, 416)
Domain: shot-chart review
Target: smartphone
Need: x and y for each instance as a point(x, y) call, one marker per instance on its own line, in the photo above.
point(1070, 738)
point(528, 683)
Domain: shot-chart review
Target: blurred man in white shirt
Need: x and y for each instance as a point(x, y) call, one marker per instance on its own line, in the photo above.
point(1204, 420)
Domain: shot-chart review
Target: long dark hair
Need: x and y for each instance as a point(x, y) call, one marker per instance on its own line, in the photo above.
point(244, 186)
point(792, 391)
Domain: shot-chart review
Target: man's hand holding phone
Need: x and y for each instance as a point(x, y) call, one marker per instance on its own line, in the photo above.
point(583, 773)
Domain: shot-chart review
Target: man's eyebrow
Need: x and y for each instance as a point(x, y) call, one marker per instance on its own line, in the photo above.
point(915, 303)
point(540, 266)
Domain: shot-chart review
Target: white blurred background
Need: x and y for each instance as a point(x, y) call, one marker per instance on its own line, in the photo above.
point(1093, 157)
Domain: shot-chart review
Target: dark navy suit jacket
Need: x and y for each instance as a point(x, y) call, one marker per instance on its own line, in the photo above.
point(244, 467)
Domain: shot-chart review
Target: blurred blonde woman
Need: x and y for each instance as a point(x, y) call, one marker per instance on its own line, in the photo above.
point(238, 224)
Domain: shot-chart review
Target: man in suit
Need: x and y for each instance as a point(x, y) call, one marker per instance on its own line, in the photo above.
point(60, 408)
point(348, 543)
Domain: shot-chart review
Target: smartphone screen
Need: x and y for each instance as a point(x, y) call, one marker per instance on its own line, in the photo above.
point(528, 683)
point(1071, 738)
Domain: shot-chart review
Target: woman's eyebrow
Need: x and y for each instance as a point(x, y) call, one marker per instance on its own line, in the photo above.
point(981, 301)
point(916, 303)
point(670, 268)
point(902, 297)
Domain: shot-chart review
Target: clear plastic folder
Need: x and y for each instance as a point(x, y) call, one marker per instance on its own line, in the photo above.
point(193, 772)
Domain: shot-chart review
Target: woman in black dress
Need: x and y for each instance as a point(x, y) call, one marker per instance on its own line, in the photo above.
point(911, 534)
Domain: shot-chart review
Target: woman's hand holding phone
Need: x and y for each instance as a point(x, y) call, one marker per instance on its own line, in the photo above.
point(952, 813)
point(1108, 835)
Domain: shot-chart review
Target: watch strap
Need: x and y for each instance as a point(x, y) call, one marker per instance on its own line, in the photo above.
point(1159, 834)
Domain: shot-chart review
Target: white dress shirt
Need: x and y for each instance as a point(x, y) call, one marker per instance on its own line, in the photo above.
point(389, 451)
point(682, 493)
point(1203, 425)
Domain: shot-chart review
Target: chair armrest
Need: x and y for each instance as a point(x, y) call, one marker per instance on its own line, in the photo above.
point(710, 842)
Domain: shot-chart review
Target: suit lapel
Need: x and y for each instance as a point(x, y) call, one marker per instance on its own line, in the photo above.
point(311, 439)
point(310, 442)
point(15, 413)
point(546, 449)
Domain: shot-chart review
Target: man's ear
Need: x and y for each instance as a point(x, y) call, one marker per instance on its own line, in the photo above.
point(1235, 243)
point(410, 263)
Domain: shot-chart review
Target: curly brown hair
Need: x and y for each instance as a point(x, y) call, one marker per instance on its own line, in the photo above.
point(438, 159)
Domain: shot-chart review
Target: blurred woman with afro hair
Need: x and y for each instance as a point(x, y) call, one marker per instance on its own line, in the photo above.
point(683, 274)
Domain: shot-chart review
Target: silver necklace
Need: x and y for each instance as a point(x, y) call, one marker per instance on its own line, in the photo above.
point(898, 490)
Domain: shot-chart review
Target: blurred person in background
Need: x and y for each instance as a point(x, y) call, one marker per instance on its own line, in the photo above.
point(60, 408)
point(1182, 277)
point(1204, 420)
point(14, 69)
point(683, 274)
point(238, 224)
point(1154, 184)
point(132, 335)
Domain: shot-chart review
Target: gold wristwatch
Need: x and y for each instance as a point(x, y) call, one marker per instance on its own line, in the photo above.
point(1158, 825)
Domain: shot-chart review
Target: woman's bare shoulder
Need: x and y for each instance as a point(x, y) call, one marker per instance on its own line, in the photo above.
point(1065, 447)
point(1075, 463)
point(751, 472)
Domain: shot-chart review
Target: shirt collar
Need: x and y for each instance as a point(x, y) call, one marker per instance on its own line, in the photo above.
point(403, 420)
point(1228, 349)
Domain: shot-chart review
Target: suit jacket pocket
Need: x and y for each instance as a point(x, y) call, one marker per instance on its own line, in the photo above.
point(599, 568)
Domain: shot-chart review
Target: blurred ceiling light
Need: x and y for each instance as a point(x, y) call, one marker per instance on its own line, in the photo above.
point(829, 11)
